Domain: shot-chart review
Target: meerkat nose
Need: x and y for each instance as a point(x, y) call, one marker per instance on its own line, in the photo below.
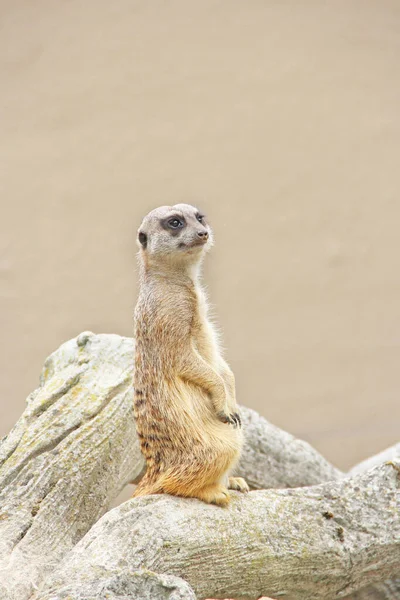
point(203, 234)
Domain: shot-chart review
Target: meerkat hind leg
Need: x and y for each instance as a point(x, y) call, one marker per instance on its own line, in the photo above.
point(214, 494)
point(238, 484)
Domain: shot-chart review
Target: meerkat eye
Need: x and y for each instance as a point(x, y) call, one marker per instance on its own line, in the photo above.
point(200, 218)
point(175, 223)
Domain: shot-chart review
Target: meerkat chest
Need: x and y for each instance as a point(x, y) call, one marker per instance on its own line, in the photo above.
point(205, 336)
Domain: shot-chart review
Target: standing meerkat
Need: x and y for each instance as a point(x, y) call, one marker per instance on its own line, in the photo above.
point(187, 419)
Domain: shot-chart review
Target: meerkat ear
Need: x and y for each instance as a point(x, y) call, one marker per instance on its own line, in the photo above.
point(142, 237)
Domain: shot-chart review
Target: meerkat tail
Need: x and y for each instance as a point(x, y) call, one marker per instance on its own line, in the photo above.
point(146, 487)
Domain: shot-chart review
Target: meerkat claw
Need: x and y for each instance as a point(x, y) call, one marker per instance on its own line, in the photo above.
point(224, 417)
point(230, 419)
point(238, 484)
point(238, 420)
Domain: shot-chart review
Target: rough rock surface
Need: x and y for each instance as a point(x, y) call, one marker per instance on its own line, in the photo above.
point(75, 447)
point(137, 585)
point(66, 459)
point(311, 543)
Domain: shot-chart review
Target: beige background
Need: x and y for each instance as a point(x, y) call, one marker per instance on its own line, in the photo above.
point(281, 120)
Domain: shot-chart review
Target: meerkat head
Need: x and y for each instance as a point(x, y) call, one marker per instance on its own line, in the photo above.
point(174, 234)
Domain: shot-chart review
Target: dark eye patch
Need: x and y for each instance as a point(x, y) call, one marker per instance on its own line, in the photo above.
point(173, 224)
point(201, 218)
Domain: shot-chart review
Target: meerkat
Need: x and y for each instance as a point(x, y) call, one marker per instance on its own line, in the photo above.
point(187, 419)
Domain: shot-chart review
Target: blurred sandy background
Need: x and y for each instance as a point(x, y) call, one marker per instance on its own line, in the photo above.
point(281, 120)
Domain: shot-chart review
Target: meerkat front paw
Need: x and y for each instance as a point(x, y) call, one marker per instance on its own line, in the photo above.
point(238, 484)
point(230, 418)
point(238, 419)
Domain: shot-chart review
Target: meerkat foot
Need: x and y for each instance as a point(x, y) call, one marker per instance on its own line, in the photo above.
point(215, 494)
point(238, 484)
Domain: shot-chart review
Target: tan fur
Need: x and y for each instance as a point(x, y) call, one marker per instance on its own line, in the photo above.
point(185, 406)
